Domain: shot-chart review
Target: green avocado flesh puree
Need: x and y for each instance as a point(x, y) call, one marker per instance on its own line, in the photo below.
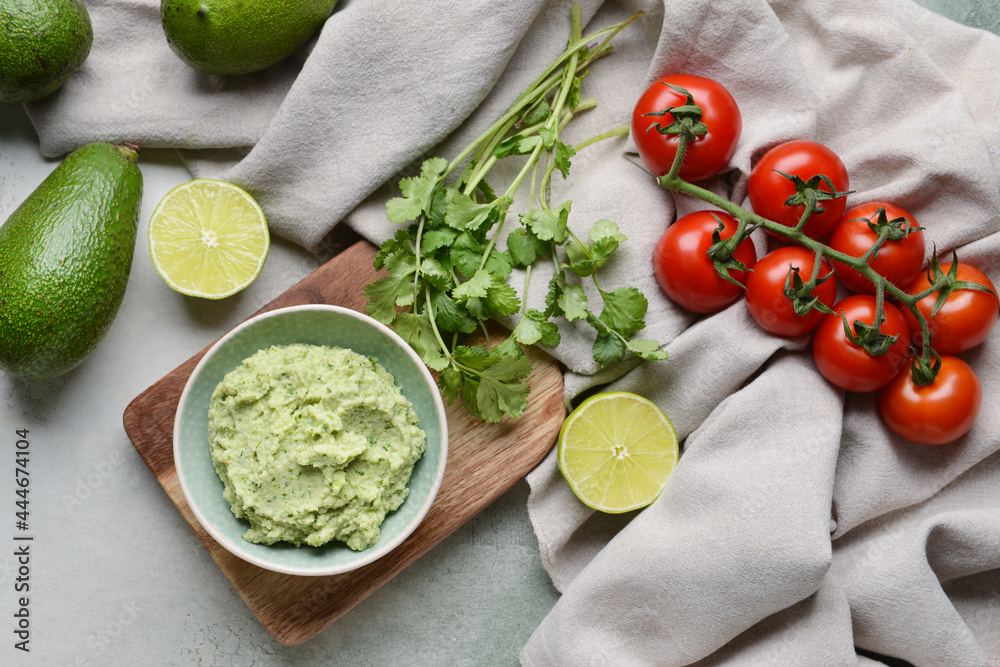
point(313, 444)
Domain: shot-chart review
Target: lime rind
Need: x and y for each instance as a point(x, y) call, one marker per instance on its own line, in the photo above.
point(610, 481)
point(196, 247)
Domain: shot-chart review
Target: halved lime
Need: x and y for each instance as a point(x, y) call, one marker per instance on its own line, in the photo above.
point(208, 238)
point(617, 451)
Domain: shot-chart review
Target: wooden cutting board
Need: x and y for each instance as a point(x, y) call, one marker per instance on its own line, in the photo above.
point(484, 461)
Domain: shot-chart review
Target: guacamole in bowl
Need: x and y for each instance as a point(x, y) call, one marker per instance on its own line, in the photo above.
point(313, 444)
point(272, 416)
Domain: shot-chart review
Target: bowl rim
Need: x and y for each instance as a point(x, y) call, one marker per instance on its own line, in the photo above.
point(372, 553)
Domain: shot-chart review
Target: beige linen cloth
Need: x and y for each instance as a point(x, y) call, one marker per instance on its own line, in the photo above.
point(796, 529)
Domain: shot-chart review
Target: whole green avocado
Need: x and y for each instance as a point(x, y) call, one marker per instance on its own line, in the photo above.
point(232, 37)
point(43, 42)
point(65, 257)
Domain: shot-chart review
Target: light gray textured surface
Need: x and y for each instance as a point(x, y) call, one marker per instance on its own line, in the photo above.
point(117, 577)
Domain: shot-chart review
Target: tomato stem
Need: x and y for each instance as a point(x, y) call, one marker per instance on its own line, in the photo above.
point(672, 181)
point(807, 212)
point(675, 168)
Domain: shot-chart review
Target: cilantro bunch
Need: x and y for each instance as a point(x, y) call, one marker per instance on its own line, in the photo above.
point(447, 277)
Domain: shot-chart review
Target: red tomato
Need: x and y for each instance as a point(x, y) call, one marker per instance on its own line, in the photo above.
point(709, 153)
point(769, 190)
point(938, 413)
point(898, 262)
point(965, 319)
point(847, 365)
point(766, 298)
point(683, 269)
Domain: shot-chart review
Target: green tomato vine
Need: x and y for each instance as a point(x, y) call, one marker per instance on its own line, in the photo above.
point(868, 336)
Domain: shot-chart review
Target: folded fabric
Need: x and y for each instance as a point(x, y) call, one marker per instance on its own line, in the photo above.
point(796, 527)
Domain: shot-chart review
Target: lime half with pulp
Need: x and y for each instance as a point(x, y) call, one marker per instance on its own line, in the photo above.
point(208, 239)
point(616, 451)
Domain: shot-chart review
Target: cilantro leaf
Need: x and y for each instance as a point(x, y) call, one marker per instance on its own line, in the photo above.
point(499, 263)
point(466, 254)
point(563, 153)
point(586, 260)
point(573, 303)
point(475, 287)
point(647, 349)
point(438, 208)
point(401, 264)
point(477, 308)
point(451, 315)
point(382, 296)
point(400, 242)
point(534, 327)
point(508, 348)
point(435, 239)
point(537, 113)
point(435, 273)
point(464, 213)
point(470, 389)
point(573, 99)
point(548, 137)
point(416, 330)
point(417, 192)
point(502, 389)
point(524, 247)
point(548, 225)
point(557, 284)
point(450, 382)
point(502, 298)
point(516, 145)
point(584, 268)
point(580, 262)
point(608, 348)
point(624, 309)
point(474, 357)
point(606, 238)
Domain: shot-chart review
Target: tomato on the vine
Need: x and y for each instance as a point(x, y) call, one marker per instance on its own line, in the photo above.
point(769, 190)
point(710, 152)
point(967, 316)
point(685, 272)
point(898, 262)
point(938, 413)
point(847, 365)
point(766, 299)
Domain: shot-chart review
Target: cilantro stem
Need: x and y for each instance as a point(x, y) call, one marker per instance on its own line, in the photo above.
point(527, 278)
point(550, 168)
point(511, 190)
point(531, 188)
point(569, 73)
point(583, 246)
point(617, 132)
point(541, 86)
point(481, 172)
point(417, 262)
point(487, 149)
point(437, 334)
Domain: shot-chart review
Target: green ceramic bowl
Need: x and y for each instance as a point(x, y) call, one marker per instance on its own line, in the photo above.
point(318, 325)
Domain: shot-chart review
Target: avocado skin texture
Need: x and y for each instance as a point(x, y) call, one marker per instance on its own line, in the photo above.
point(233, 37)
point(65, 257)
point(43, 42)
